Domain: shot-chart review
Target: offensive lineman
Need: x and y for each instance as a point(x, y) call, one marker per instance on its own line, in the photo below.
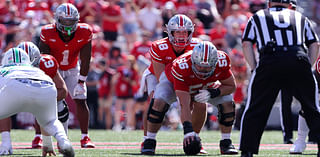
point(180, 29)
point(196, 72)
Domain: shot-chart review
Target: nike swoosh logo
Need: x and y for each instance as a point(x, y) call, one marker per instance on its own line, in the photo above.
point(218, 74)
point(80, 40)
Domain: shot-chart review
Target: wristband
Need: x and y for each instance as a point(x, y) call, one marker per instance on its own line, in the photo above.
point(187, 127)
point(214, 92)
point(82, 78)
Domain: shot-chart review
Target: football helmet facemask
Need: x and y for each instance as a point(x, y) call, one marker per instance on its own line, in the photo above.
point(66, 17)
point(32, 50)
point(15, 56)
point(180, 23)
point(204, 59)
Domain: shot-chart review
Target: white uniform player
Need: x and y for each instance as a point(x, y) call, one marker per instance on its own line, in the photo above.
point(24, 88)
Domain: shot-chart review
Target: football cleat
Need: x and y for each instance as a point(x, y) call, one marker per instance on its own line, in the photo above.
point(5, 151)
point(86, 143)
point(149, 147)
point(37, 143)
point(202, 151)
point(226, 147)
point(298, 147)
point(66, 149)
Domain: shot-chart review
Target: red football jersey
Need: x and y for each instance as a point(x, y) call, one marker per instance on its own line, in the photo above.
point(183, 78)
point(66, 53)
point(162, 51)
point(123, 86)
point(49, 65)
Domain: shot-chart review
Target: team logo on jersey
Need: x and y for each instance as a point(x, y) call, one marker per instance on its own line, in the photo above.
point(168, 57)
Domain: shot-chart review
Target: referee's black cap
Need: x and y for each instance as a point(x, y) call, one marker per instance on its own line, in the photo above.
point(293, 3)
point(281, 1)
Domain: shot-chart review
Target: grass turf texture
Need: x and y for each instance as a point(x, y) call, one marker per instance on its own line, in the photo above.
point(169, 143)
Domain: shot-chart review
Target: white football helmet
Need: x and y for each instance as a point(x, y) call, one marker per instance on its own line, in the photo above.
point(180, 22)
point(15, 56)
point(32, 50)
point(204, 55)
point(66, 17)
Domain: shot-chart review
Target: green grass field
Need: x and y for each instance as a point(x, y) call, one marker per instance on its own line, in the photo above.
point(169, 143)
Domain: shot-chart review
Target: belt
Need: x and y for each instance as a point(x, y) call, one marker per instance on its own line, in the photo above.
point(34, 82)
point(279, 49)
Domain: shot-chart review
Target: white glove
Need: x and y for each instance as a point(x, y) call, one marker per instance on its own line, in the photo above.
point(203, 96)
point(79, 89)
point(5, 150)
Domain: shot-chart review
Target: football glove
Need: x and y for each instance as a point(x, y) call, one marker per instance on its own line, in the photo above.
point(79, 89)
point(205, 94)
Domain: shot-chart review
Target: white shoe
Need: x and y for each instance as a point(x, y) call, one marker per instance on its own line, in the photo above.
point(5, 150)
point(117, 128)
point(298, 147)
point(66, 149)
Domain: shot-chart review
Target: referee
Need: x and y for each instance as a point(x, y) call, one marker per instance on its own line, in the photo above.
point(284, 62)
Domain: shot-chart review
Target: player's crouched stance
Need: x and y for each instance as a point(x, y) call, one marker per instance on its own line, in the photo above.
point(190, 79)
point(28, 89)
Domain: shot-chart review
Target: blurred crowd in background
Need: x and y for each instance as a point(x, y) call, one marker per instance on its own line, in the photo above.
point(123, 32)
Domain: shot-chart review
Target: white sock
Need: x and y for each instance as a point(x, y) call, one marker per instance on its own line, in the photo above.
point(303, 129)
point(6, 139)
point(37, 135)
point(84, 135)
point(225, 136)
point(151, 135)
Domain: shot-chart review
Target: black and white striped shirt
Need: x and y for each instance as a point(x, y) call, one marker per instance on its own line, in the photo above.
point(284, 26)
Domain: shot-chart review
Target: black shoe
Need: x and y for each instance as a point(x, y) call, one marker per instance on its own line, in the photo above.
point(246, 154)
point(289, 141)
point(227, 148)
point(149, 147)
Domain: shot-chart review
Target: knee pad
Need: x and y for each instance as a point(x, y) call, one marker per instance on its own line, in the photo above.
point(63, 111)
point(159, 115)
point(223, 116)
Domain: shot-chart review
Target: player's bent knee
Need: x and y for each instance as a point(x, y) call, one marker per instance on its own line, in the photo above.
point(156, 112)
point(226, 118)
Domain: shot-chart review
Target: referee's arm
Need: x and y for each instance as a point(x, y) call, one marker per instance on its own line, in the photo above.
point(249, 54)
point(248, 39)
point(313, 50)
point(312, 41)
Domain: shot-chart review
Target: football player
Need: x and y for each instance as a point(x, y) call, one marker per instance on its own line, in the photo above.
point(49, 65)
point(180, 29)
point(190, 80)
point(25, 89)
point(65, 40)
